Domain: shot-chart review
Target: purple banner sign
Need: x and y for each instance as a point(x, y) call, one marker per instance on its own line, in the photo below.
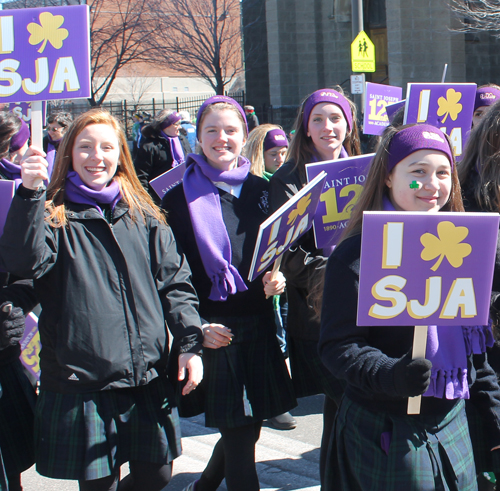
point(446, 106)
point(23, 110)
point(377, 97)
point(45, 54)
point(285, 226)
point(30, 346)
point(168, 180)
point(7, 190)
point(392, 109)
point(426, 268)
point(343, 185)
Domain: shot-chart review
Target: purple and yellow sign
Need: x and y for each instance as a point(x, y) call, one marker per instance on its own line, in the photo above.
point(23, 110)
point(30, 346)
point(285, 226)
point(343, 185)
point(45, 54)
point(392, 109)
point(426, 268)
point(168, 180)
point(446, 106)
point(377, 97)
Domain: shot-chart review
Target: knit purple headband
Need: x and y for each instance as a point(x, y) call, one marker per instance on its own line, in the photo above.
point(20, 138)
point(486, 96)
point(275, 138)
point(170, 120)
point(414, 138)
point(214, 100)
point(327, 95)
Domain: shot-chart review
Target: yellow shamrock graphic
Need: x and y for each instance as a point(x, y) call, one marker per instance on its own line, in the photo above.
point(300, 210)
point(48, 30)
point(447, 245)
point(450, 105)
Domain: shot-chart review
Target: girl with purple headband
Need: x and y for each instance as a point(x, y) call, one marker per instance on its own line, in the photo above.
point(215, 215)
point(486, 96)
point(375, 444)
point(162, 147)
point(325, 129)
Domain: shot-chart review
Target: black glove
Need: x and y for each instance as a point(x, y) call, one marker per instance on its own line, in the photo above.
point(12, 325)
point(412, 377)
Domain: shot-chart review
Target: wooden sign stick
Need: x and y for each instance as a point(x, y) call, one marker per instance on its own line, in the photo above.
point(419, 346)
point(275, 270)
point(37, 129)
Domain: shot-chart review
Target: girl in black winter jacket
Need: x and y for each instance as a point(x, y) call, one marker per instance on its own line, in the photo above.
point(109, 278)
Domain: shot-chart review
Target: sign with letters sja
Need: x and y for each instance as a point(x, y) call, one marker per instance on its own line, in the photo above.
point(44, 54)
point(426, 268)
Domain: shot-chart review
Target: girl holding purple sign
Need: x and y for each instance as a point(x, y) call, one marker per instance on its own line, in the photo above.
point(15, 134)
point(325, 129)
point(376, 445)
point(161, 148)
point(215, 215)
point(109, 278)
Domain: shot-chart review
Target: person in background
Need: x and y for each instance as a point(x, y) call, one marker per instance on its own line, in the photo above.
point(486, 96)
point(266, 149)
point(253, 120)
point(325, 129)
point(162, 148)
point(136, 132)
point(215, 214)
point(110, 278)
point(17, 299)
point(189, 128)
point(57, 125)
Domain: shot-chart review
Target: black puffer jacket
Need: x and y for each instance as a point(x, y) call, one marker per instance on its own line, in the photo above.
point(106, 290)
point(154, 158)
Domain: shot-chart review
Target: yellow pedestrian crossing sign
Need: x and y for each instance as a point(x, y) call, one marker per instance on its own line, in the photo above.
point(363, 54)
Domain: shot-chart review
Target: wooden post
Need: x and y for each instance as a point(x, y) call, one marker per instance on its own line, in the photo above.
point(419, 346)
point(276, 269)
point(37, 129)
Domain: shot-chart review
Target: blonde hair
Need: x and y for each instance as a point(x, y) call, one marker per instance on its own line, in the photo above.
point(131, 189)
point(254, 148)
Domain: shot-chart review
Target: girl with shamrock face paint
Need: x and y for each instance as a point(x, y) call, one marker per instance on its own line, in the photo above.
point(325, 129)
point(375, 444)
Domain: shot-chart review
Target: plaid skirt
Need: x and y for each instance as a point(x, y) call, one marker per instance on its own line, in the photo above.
point(244, 382)
point(381, 451)
point(88, 436)
point(17, 409)
point(309, 375)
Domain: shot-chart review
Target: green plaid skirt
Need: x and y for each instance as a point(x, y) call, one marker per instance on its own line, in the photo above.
point(309, 375)
point(381, 451)
point(88, 436)
point(245, 382)
point(17, 406)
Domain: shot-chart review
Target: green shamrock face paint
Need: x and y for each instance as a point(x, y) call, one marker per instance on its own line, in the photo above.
point(414, 185)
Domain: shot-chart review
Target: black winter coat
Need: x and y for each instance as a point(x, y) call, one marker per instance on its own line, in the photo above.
point(106, 290)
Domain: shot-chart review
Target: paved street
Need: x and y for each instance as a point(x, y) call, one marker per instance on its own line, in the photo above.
point(287, 460)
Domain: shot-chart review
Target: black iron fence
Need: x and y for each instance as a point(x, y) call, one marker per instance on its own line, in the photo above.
point(124, 110)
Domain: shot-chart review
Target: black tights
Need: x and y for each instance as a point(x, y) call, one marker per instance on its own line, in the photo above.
point(143, 476)
point(329, 412)
point(233, 458)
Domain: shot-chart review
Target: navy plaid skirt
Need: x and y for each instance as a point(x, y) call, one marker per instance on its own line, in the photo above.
point(309, 375)
point(17, 406)
point(88, 436)
point(381, 451)
point(245, 382)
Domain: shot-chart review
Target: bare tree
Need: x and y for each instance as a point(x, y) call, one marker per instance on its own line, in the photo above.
point(201, 38)
point(120, 34)
point(478, 15)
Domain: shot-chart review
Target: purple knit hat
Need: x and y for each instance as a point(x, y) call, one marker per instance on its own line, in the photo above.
point(275, 138)
point(327, 95)
point(170, 120)
point(214, 100)
point(486, 96)
point(20, 138)
point(414, 138)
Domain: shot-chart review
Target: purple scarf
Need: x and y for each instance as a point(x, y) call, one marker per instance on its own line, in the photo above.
point(447, 349)
point(52, 147)
point(175, 149)
point(11, 171)
point(77, 192)
point(205, 210)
